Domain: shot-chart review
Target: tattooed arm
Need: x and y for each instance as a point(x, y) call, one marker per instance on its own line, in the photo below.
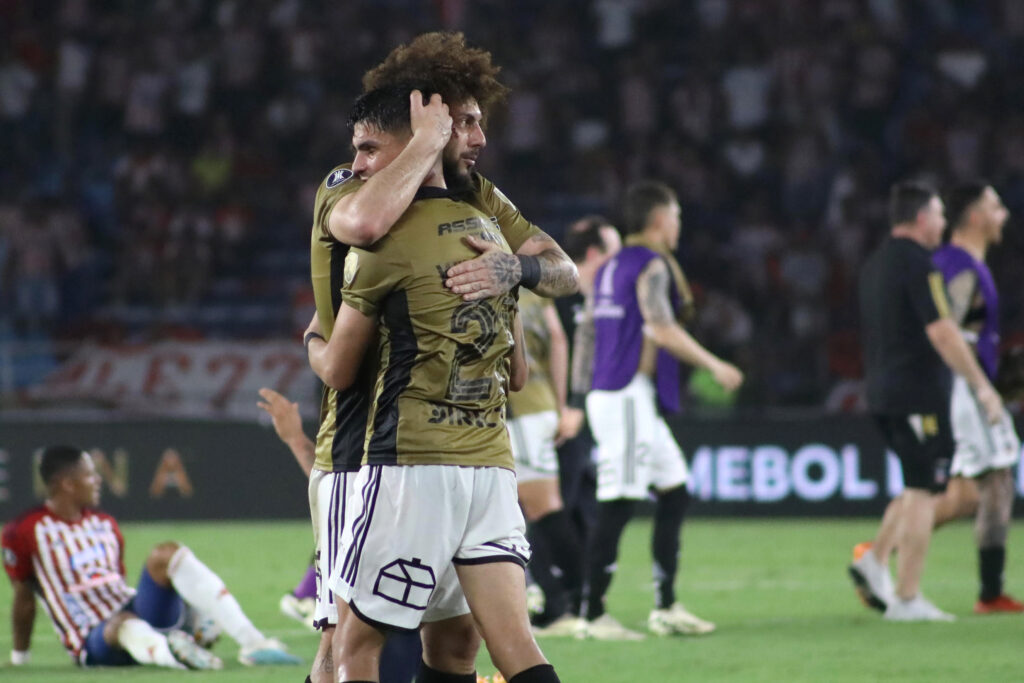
point(494, 272)
point(661, 327)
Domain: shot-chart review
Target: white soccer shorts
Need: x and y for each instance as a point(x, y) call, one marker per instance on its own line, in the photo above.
point(533, 445)
point(327, 496)
point(980, 446)
point(407, 525)
point(635, 448)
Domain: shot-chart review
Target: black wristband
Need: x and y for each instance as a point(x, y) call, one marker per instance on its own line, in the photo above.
point(530, 269)
point(578, 401)
point(310, 336)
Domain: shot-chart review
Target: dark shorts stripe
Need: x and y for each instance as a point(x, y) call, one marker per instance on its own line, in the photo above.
point(361, 525)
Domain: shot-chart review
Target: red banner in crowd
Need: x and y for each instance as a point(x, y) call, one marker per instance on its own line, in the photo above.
point(188, 379)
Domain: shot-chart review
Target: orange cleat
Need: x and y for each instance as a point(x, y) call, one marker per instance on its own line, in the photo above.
point(1004, 603)
point(860, 549)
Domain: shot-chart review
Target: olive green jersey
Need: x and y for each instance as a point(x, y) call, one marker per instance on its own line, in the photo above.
point(442, 383)
point(343, 414)
point(539, 394)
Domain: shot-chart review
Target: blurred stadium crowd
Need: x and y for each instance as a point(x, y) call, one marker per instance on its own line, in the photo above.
point(158, 159)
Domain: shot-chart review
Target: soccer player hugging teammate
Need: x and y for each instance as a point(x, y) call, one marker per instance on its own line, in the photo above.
point(434, 535)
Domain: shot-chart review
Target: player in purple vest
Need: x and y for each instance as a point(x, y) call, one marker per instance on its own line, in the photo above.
point(982, 482)
point(627, 363)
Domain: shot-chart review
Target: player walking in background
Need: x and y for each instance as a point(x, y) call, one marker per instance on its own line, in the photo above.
point(535, 425)
point(982, 479)
point(631, 345)
point(437, 487)
point(910, 344)
point(982, 482)
point(72, 556)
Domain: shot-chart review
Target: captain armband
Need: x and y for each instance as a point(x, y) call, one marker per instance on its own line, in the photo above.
point(530, 269)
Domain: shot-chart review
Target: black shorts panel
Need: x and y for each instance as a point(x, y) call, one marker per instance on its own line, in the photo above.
point(924, 444)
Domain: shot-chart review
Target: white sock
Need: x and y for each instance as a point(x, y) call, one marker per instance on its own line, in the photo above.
point(202, 589)
point(146, 645)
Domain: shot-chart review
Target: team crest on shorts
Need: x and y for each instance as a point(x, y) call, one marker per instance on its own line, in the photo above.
point(406, 583)
point(338, 176)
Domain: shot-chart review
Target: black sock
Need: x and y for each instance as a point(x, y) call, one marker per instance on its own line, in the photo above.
point(566, 553)
point(308, 680)
point(555, 603)
point(428, 675)
point(400, 657)
point(542, 673)
point(611, 520)
point(668, 524)
point(991, 562)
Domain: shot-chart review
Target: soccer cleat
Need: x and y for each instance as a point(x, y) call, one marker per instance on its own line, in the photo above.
point(860, 549)
point(871, 579)
point(563, 627)
point(267, 652)
point(1004, 603)
point(203, 628)
point(187, 651)
point(299, 609)
point(915, 609)
point(677, 620)
point(606, 627)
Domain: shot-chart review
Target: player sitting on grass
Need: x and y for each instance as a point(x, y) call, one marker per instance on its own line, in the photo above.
point(72, 557)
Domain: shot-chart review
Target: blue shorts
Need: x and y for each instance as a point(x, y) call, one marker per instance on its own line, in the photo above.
point(162, 608)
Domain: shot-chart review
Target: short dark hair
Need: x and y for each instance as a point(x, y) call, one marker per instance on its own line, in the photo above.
point(583, 234)
point(641, 198)
point(907, 198)
point(960, 199)
point(387, 108)
point(56, 461)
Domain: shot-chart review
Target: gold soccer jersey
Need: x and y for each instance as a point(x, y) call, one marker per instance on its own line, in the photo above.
point(538, 395)
point(343, 414)
point(442, 385)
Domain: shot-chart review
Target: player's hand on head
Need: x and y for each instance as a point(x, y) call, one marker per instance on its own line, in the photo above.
point(727, 375)
point(431, 120)
point(492, 273)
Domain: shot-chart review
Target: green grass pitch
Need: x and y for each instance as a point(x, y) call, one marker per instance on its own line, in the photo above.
point(776, 588)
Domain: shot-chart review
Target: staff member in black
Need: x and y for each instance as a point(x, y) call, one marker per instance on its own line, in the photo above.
point(910, 345)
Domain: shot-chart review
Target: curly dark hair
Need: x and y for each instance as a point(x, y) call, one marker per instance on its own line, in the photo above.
point(443, 62)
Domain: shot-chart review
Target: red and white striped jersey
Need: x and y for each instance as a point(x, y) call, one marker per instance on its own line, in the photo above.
point(76, 568)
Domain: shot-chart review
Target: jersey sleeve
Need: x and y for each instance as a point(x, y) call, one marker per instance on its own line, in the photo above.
point(514, 227)
point(17, 553)
point(927, 291)
point(340, 182)
point(370, 275)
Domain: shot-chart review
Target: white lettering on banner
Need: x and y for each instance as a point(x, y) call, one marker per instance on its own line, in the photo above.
point(188, 379)
point(771, 474)
point(893, 474)
point(732, 475)
point(855, 488)
point(811, 456)
point(768, 474)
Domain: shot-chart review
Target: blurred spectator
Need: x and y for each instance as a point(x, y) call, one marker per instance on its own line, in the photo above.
point(165, 159)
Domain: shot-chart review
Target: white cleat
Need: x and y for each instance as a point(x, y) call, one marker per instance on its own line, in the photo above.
point(916, 609)
point(565, 626)
point(677, 620)
point(606, 627)
point(187, 651)
point(299, 609)
point(872, 581)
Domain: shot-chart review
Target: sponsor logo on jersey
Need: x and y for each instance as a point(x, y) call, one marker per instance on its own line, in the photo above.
point(351, 266)
point(467, 224)
point(338, 176)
